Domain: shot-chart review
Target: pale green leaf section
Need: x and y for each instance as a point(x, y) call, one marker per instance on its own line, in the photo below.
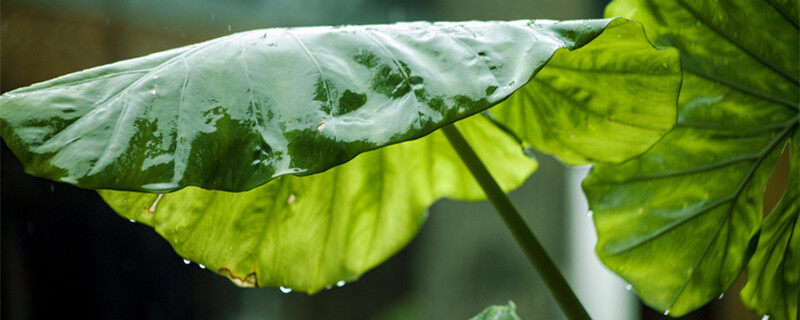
point(594, 106)
point(507, 312)
point(772, 273)
point(310, 232)
point(680, 222)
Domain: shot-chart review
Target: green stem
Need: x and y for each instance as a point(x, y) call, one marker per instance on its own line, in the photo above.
point(548, 271)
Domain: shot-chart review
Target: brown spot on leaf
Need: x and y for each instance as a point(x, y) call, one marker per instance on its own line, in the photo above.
point(250, 281)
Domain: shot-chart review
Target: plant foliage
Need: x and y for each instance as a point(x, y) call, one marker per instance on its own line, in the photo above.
point(681, 222)
point(275, 115)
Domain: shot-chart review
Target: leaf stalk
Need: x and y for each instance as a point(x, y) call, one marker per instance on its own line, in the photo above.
point(527, 241)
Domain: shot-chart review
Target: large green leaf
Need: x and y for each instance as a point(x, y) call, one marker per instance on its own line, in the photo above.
point(235, 112)
point(591, 106)
point(498, 313)
point(680, 222)
point(310, 232)
point(773, 271)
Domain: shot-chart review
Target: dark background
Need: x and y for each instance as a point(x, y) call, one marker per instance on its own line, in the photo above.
point(65, 253)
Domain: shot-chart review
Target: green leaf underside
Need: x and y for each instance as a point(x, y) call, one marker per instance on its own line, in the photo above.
point(235, 112)
point(507, 312)
point(773, 270)
point(591, 106)
point(679, 222)
point(310, 232)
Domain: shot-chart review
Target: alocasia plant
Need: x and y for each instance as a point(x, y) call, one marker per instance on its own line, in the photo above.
point(277, 157)
point(681, 222)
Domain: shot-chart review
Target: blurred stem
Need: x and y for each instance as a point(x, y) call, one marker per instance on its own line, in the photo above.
point(541, 261)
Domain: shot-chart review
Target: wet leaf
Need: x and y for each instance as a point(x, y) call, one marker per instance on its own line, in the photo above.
point(294, 106)
point(680, 222)
point(235, 112)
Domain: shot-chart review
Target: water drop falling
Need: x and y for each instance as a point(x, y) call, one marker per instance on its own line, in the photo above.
point(721, 295)
point(666, 312)
point(340, 283)
point(186, 261)
point(201, 266)
point(285, 289)
point(52, 188)
point(229, 27)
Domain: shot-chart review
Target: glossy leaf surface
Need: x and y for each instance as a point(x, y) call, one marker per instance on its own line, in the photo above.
point(310, 232)
point(507, 312)
point(235, 112)
point(680, 222)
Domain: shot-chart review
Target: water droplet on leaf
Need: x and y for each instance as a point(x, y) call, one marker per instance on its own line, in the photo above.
point(291, 199)
point(285, 289)
point(186, 261)
point(340, 283)
point(666, 312)
point(201, 266)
